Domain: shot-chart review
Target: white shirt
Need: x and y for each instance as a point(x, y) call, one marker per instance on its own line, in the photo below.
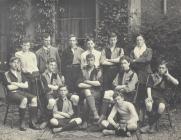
point(28, 61)
point(97, 55)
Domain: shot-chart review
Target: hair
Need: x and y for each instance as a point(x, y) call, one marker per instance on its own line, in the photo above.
point(12, 59)
point(72, 35)
point(89, 39)
point(25, 40)
point(117, 93)
point(50, 60)
point(62, 86)
point(127, 58)
point(163, 62)
point(141, 36)
point(45, 35)
point(90, 55)
point(112, 35)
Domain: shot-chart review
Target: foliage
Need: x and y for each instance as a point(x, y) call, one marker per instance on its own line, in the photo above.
point(113, 18)
point(18, 22)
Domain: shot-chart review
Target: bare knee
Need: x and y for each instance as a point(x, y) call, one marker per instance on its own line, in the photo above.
point(54, 122)
point(149, 106)
point(108, 94)
point(132, 126)
point(51, 103)
point(34, 102)
point(75, 99)
point(87, 92)
point(105, 123)
point(23, 103)
point(161, 108)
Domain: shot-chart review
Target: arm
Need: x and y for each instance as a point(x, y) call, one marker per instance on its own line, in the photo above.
point(12, 87)
point(145, 57)
point(172, 79)
point(104, 60)
point(111, 117)
point(92, 83)
point(84, 85)
point(116, 60)
point(20, 85)
point(58, 60)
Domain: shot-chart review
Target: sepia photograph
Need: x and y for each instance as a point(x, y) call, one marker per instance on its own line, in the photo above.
point(90, 69)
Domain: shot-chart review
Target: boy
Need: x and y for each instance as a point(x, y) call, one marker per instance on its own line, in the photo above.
point(90, 49)
point(90, 84)
point(110, 57)
point(71, 59)
point(126, 120)
point(125, 82)
point(63, 112)
point(17, 85)
point(46, 52)
point(157, 95)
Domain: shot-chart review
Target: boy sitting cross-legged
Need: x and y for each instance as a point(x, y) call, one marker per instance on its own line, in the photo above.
point(62, 113)
point(122, 119)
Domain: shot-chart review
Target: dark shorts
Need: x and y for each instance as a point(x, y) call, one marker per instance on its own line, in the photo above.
point(156, 102)
point(63, 122)
point(17, 96)
point(109, 73)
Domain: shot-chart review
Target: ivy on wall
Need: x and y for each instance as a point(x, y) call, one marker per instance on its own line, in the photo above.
point(113, 18)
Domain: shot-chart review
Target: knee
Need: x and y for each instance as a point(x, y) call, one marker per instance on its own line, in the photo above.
point(149, 107)
point(132, 126)
point(51, 103)
point(161, 108)
point(54, 122)
point(109, 94)
point(87, 92)
point(24, 102)
point(34, 102)
point(75, 99)
point(78, 120)
point(105, 123)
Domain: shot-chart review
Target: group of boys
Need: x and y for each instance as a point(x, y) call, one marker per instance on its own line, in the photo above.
point(96, 80)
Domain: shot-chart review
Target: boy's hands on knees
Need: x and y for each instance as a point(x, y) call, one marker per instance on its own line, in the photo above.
point(149, 103)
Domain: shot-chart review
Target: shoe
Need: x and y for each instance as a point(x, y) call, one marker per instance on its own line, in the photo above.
point(43, 125)
point(56, 130)
point(83, 126)
point(152, 130)
point(128, 134)
point(34, 126)
point(108, 132)
point(145, 129)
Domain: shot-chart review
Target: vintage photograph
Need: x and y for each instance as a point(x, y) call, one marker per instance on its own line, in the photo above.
point(90, 69)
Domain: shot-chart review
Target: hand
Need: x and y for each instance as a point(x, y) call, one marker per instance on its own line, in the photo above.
point(166, 73)
point(149, 100)
point(119, 87)
point(117, 126)
point(13, 83)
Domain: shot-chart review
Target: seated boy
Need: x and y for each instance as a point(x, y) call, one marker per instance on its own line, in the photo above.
point(157, 95)
point(54, 81)
point(63, 112)
point(90, 85)
point(125, 82)
point(17, 86)
point(126, 120)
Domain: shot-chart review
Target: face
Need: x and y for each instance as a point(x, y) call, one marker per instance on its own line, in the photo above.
point(52, 66)
point(113, 41)
point(90, 45)
point(73, 41)
point(26, 47)
point(125, 65)
point(140, 41)
point(162, 69)
point(118, 100)
point(46, 41)
point(15, 64)
point(90, 61)
point(63, 92)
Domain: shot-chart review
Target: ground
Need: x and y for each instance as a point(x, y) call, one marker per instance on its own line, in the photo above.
point(8, 133)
